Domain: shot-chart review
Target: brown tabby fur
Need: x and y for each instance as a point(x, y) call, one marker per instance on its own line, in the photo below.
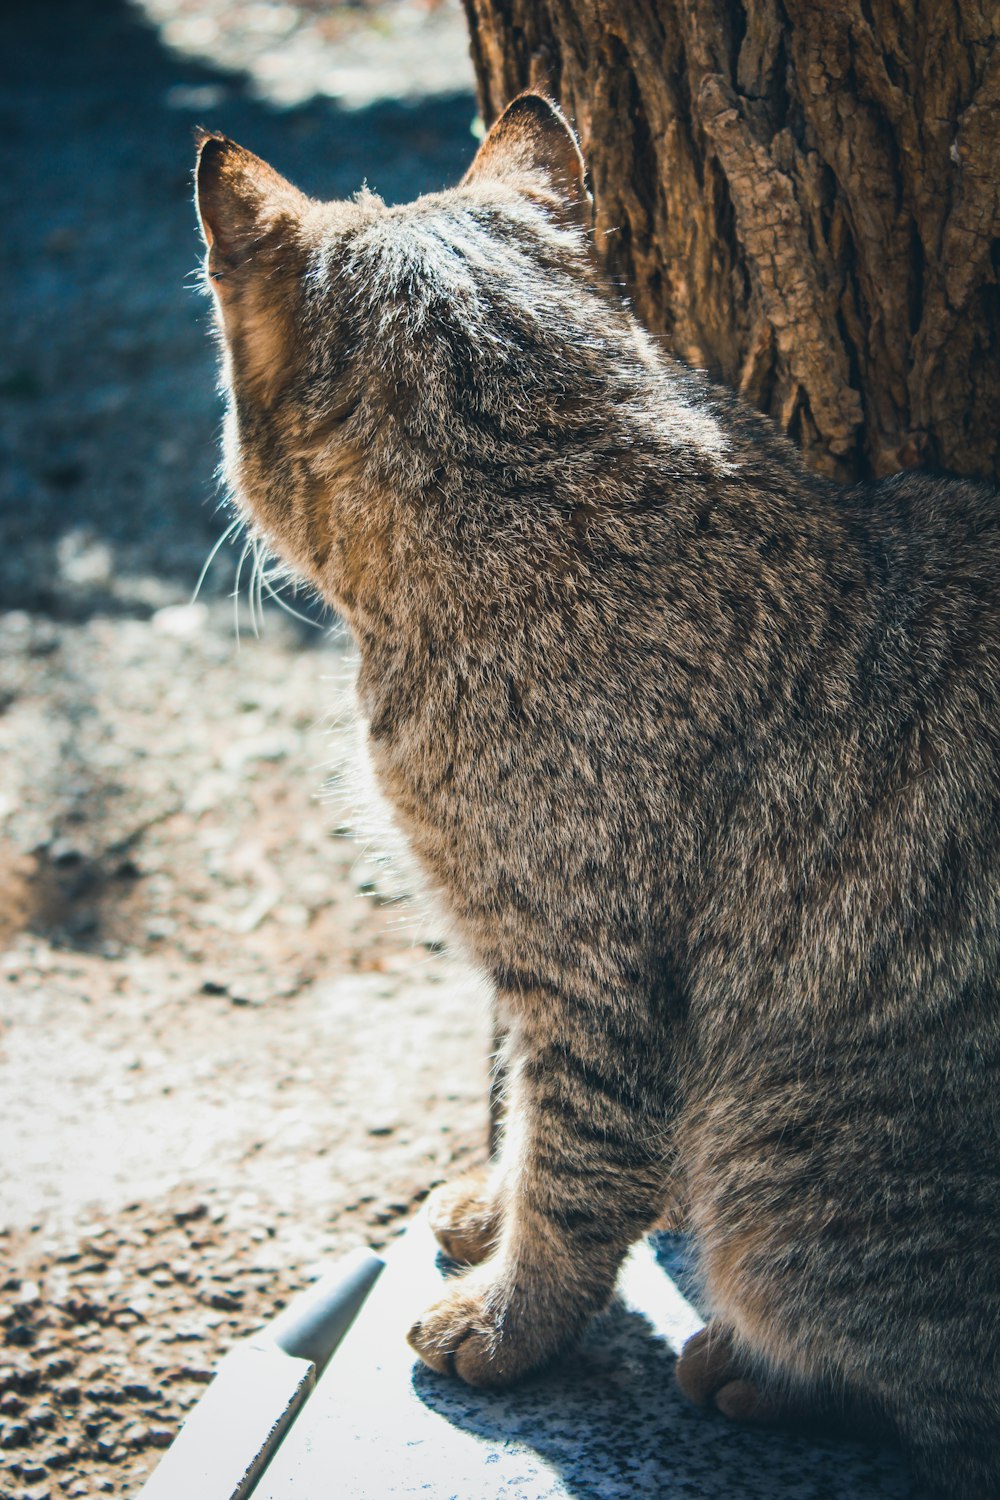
point(701, 752)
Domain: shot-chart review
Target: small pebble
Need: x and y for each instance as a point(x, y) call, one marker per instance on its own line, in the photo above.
point(100, 1394)
point(40, 1416)
point(188, 1214)
point(140, 1391)
point(226, 1301)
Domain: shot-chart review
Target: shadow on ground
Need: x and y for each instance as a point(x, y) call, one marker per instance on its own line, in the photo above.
point(109, 413)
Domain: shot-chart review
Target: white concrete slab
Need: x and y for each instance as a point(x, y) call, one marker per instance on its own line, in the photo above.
point(605, 1424)
point(228, 1438)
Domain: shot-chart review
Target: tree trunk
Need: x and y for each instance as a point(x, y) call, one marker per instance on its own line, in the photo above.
point(802, 196)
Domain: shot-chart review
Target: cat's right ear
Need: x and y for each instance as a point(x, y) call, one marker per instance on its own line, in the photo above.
point(241, 202)
point(532, 147)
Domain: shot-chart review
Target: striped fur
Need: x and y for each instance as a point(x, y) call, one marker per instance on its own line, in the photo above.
point(700, 751)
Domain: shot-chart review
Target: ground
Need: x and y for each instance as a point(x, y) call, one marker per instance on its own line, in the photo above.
point(231, 1046)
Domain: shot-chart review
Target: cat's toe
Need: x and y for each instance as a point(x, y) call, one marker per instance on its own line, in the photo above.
point(465, 1334)
point(458, 1336)
point(463, 1219)
point(744, 1401)
point(706, 1364)
point(711, 1373)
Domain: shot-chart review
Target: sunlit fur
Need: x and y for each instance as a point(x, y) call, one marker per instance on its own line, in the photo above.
point(701, 753)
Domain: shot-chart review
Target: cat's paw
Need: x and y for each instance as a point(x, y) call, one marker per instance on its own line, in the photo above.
point(463, 1218)
point(471, 1333)
point(710, 1373)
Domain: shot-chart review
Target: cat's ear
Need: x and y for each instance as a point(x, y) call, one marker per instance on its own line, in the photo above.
point(241, 202)
point(251, 219)
point(532, 147)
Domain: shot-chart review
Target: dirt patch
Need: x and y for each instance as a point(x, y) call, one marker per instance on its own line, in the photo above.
point(230, 1047)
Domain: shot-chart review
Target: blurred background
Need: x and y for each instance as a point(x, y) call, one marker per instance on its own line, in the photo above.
point(231, 1045)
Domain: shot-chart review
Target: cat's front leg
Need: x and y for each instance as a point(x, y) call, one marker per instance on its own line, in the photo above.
point(582, 1176)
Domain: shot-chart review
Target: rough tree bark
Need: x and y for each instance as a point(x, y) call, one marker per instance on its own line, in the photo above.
point(803, 196)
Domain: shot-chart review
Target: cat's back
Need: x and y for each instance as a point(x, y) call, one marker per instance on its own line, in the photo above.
point(927, 677)
point(941, 541)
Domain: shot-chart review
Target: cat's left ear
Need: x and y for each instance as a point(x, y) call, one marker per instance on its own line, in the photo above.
point(532, 147)
point(241, 203)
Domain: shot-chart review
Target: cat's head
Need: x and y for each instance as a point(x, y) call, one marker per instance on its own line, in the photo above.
point(376, 359)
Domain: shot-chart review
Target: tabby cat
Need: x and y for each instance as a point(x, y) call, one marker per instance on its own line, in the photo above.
point(700, 751)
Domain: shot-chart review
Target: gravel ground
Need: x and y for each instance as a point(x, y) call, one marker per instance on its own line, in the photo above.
point(231, 1046)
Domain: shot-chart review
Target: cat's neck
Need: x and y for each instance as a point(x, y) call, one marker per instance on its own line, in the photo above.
point(482, 578)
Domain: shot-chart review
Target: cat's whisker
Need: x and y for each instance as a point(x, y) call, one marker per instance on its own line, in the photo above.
point(251, 600)
point(282, 572)
point(296, 614)
point(236, 588)
point(260, 587)
point(233, 526)
point(256, 603)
